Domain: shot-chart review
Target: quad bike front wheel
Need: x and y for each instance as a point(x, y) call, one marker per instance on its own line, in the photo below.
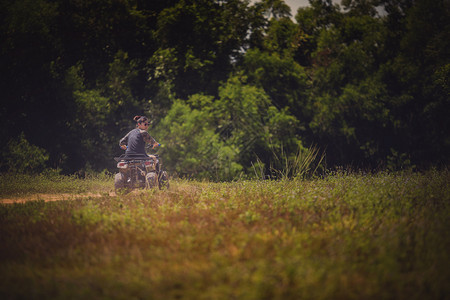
point(163, 180)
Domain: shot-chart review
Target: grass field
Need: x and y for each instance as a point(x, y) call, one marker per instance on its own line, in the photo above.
point(345, 236)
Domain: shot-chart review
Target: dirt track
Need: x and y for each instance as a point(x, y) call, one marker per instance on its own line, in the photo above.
point(51, 197)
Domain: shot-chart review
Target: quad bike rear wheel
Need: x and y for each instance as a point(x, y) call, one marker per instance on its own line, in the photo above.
point(119, 181)
point(120, 185)
point(150, 180)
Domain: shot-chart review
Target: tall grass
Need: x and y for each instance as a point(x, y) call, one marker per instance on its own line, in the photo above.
point(347, 236)
point(305, 162)
point(300, 165)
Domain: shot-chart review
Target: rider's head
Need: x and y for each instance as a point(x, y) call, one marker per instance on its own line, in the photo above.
point(141, 121)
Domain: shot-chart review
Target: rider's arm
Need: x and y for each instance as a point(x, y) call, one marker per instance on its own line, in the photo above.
point(149, 139)
point(124, 141)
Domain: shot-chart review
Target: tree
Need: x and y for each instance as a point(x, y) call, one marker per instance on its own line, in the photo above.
point(219, 138)
point(192, 148)
point(276, 9)
point(348, 98)
point(283, 80)
point(415, 72)
point(205, 37)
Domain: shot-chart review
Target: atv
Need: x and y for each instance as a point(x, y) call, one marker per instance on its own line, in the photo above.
point(140, 171)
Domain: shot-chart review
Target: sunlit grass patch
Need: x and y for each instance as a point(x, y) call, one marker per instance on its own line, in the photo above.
point(52, 182)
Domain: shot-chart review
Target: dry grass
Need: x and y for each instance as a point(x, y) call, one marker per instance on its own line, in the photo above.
point(348, 236)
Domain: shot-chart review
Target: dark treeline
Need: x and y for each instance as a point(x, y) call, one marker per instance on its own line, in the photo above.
point(230, 86)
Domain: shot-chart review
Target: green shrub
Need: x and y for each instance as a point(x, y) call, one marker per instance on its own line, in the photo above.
point(23, 157)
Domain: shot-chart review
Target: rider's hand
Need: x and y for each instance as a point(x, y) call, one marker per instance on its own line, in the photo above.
point(156, 145)
point(124, 147)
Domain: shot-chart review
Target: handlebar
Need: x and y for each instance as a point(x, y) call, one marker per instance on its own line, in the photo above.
point(126, 146)
point(135, 157)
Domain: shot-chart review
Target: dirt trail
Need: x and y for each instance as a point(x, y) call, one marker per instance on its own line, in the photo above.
point(52, 197)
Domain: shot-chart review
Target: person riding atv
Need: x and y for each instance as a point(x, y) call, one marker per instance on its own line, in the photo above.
point(136, 168)
point(135, 140)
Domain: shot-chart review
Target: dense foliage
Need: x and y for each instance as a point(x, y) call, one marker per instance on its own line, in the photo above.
point(226, 83)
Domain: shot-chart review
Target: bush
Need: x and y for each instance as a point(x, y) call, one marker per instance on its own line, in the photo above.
point(23, 157)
